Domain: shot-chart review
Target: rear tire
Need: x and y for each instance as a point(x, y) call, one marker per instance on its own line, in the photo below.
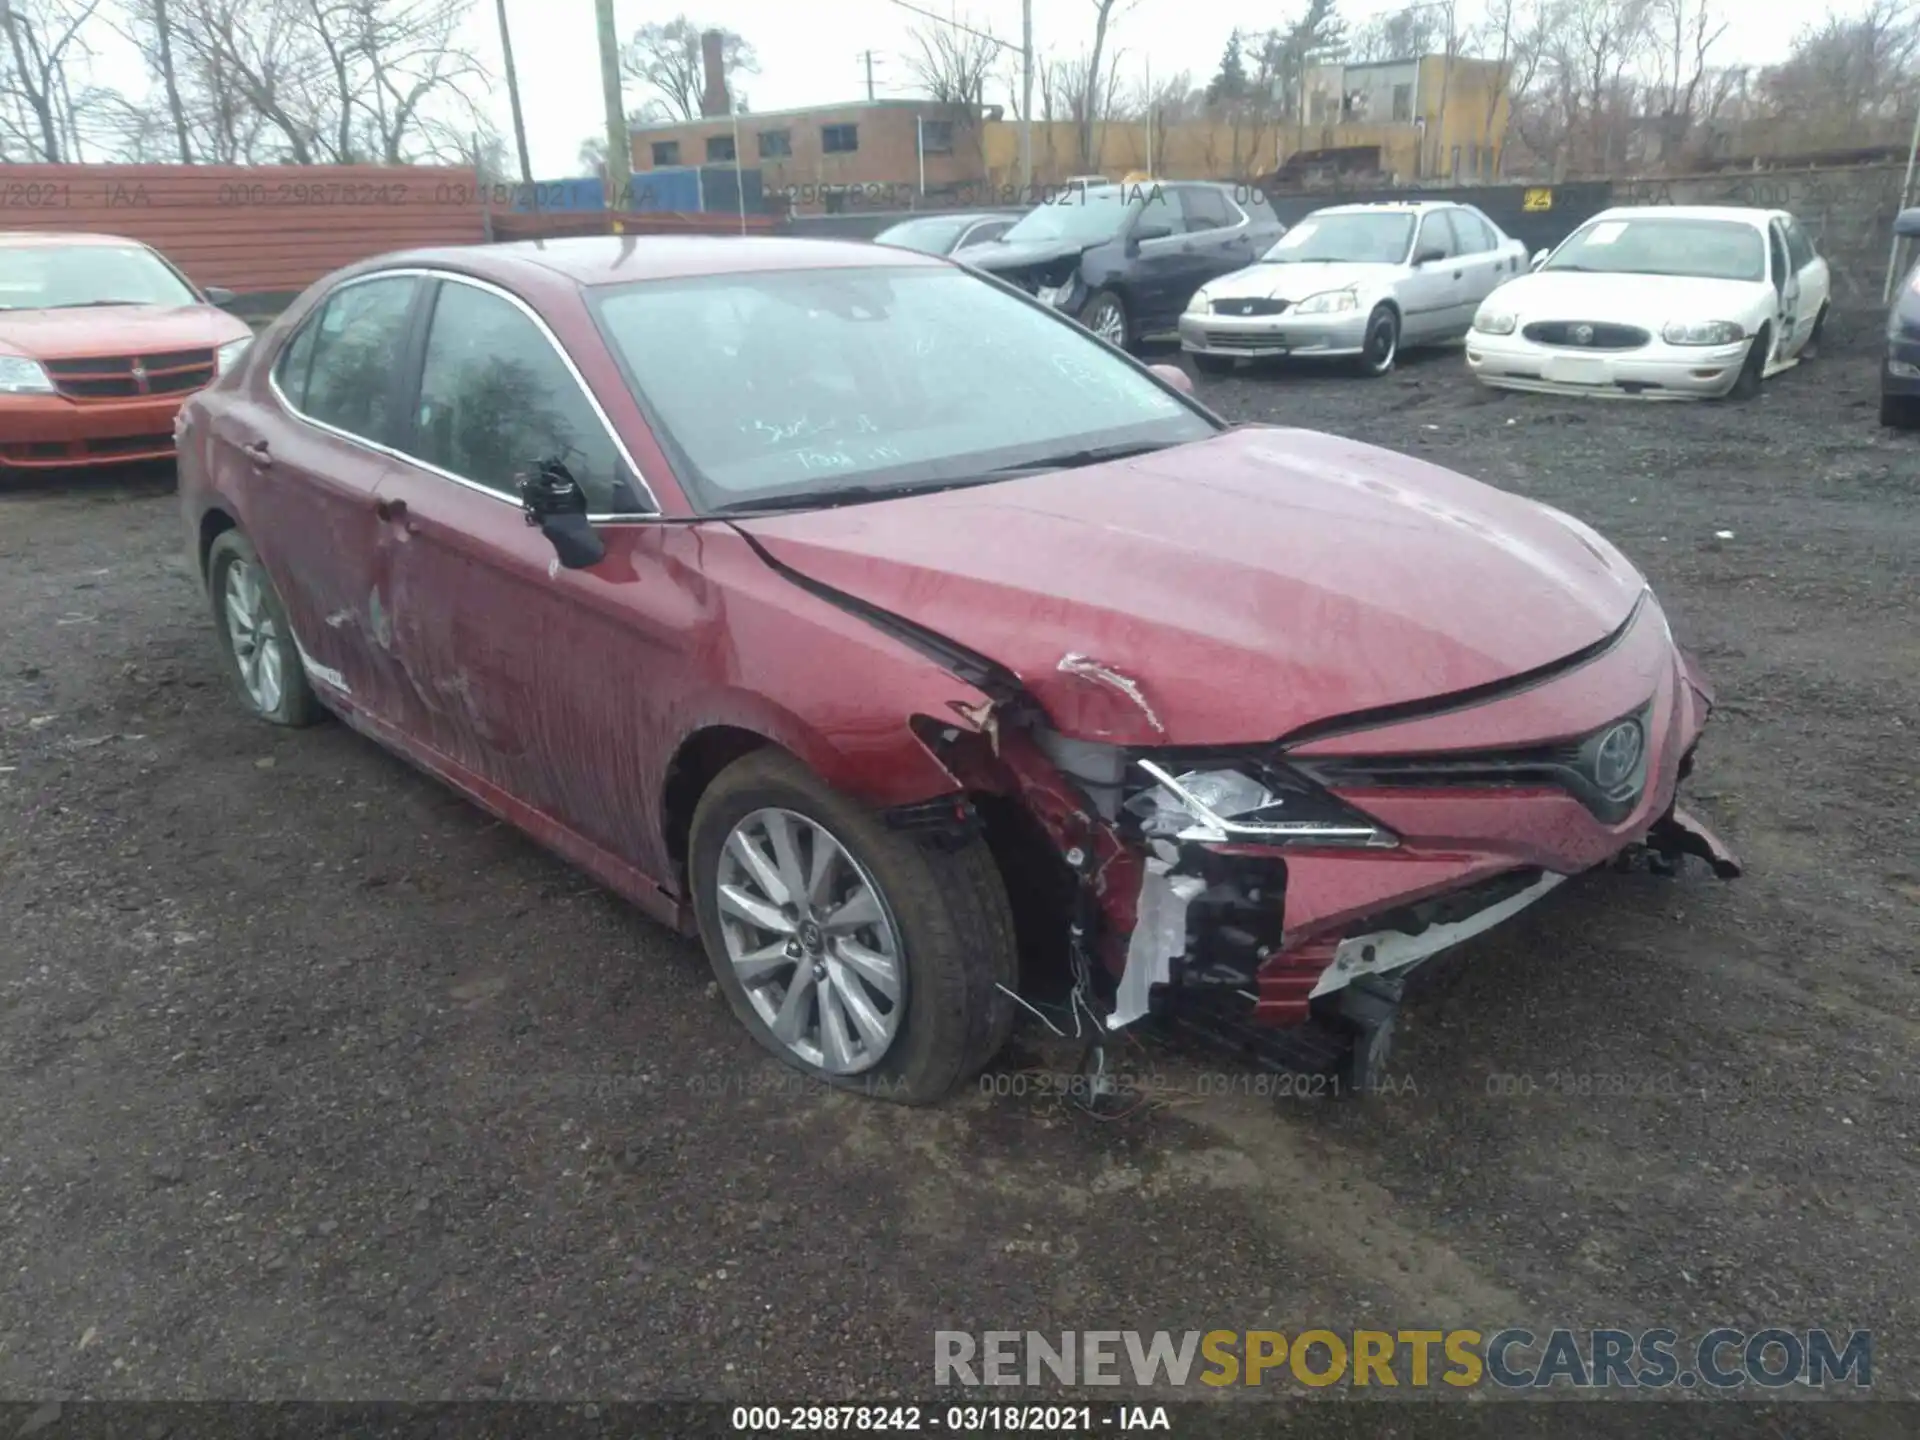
point(262, 657)
point(1213, 364)
point(948, 931)
point(1381, 345)
point(1753, 372)
point(1900, 412)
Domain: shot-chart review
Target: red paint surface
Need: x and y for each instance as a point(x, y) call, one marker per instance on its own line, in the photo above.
point(1247, 586)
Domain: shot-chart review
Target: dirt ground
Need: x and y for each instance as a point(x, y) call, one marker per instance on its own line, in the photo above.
point(316, 1082)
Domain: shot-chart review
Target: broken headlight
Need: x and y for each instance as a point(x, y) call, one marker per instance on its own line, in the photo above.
point(1259, 805)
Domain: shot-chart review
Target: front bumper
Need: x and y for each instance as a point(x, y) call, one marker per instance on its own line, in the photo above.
point(1656, 371)
point(1470, 855)
point(49, 432)
point(1288, 333)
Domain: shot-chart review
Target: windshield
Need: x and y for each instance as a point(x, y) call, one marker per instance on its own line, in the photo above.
point(1358, 238)
point(1701, 249)
point(933, 236)
point(778, 386)
point(1088, 215)
point(53, 277)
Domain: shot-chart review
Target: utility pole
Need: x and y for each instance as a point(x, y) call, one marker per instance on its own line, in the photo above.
point(513, 97)
point(619, 146)
point(1026, 97)
point(867, 55)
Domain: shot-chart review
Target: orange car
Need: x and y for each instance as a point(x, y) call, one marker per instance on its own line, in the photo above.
point(101, 341)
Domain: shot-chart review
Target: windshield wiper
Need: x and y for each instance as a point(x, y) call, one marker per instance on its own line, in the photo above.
point(1075, 459)
point(88, 304)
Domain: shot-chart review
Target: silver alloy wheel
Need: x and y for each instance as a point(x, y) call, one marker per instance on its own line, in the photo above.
point(811, 940)
point(1109, 323)
point(258, 648)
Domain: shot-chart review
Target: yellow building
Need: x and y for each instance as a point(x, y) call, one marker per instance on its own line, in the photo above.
point(1430, 119)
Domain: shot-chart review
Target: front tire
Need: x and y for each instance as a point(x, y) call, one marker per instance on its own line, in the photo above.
point(1900, 412)
point(1105, 314)
point(1381, 346)
point(1754, 371)
point(858, 954)
point(255, 636)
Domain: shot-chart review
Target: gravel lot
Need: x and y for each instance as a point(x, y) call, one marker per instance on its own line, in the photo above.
point(316, 1082)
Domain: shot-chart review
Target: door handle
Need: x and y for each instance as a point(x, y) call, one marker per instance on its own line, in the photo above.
point(259, 453)
point(390, 509)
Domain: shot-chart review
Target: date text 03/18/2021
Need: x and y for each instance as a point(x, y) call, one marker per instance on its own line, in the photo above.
point(949, 1419)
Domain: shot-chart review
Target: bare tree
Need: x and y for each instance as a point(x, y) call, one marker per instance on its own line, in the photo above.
point(1513, 35)
point(1398, 35)
point(148, 25)
point(326, 81)
point(667, 60)
point(1105, 13)
point(952, 65)
point(1688, 31)
point(1847, 73)
point(41, 38)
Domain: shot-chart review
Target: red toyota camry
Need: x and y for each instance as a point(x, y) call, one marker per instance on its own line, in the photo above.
point(902, 639)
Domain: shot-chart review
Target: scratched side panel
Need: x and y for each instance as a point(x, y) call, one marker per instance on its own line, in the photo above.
point(570, 691)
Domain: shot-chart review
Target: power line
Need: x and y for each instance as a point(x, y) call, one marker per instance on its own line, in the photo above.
point(956, 25)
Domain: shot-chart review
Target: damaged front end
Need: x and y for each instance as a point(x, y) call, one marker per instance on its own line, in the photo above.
point(1271, 900)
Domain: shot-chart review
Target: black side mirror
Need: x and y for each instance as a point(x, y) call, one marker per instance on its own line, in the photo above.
point(550, 499)
point(1427, 257)
point(219, 295)
point(1907, 223)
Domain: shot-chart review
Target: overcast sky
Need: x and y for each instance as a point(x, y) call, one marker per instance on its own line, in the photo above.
point(810, 52)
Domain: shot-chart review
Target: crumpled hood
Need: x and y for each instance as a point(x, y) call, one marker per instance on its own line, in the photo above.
point(999, 256)
point(1296, 281)
point(1241, 586)
point(1649, 300)
point(100, 330)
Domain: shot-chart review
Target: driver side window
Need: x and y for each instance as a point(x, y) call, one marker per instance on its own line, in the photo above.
point(496, 399)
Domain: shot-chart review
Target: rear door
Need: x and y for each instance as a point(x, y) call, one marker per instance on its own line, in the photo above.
point(306, 451)
point(1433, 294)
point(1481, 262)
point(526, 676)
point(1219, 233)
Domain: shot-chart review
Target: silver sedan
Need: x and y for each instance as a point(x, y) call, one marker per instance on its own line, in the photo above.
point(1357, 282)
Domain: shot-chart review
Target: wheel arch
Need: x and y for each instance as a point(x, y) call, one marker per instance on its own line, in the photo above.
point(214, 523)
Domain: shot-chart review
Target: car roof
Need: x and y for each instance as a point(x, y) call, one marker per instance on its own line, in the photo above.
point(1392, 207)
point(39, 238)
point(1746, 214)
point(591, 260)
point(959, 216)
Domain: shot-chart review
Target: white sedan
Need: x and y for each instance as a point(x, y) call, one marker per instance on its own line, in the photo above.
point(1658, 302)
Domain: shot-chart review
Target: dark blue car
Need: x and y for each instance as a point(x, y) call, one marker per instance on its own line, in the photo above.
point(1900, 373)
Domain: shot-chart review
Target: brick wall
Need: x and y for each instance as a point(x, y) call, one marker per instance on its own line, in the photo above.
point(1848, 211)
point(259, 230)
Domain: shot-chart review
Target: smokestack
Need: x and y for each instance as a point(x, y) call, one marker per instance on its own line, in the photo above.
point(714, 99)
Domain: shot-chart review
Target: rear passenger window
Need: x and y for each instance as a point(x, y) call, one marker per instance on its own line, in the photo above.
point(1799, 247)
point(1470, 232)
point(496, 399)
point(1207, 208)
point(357, 339)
